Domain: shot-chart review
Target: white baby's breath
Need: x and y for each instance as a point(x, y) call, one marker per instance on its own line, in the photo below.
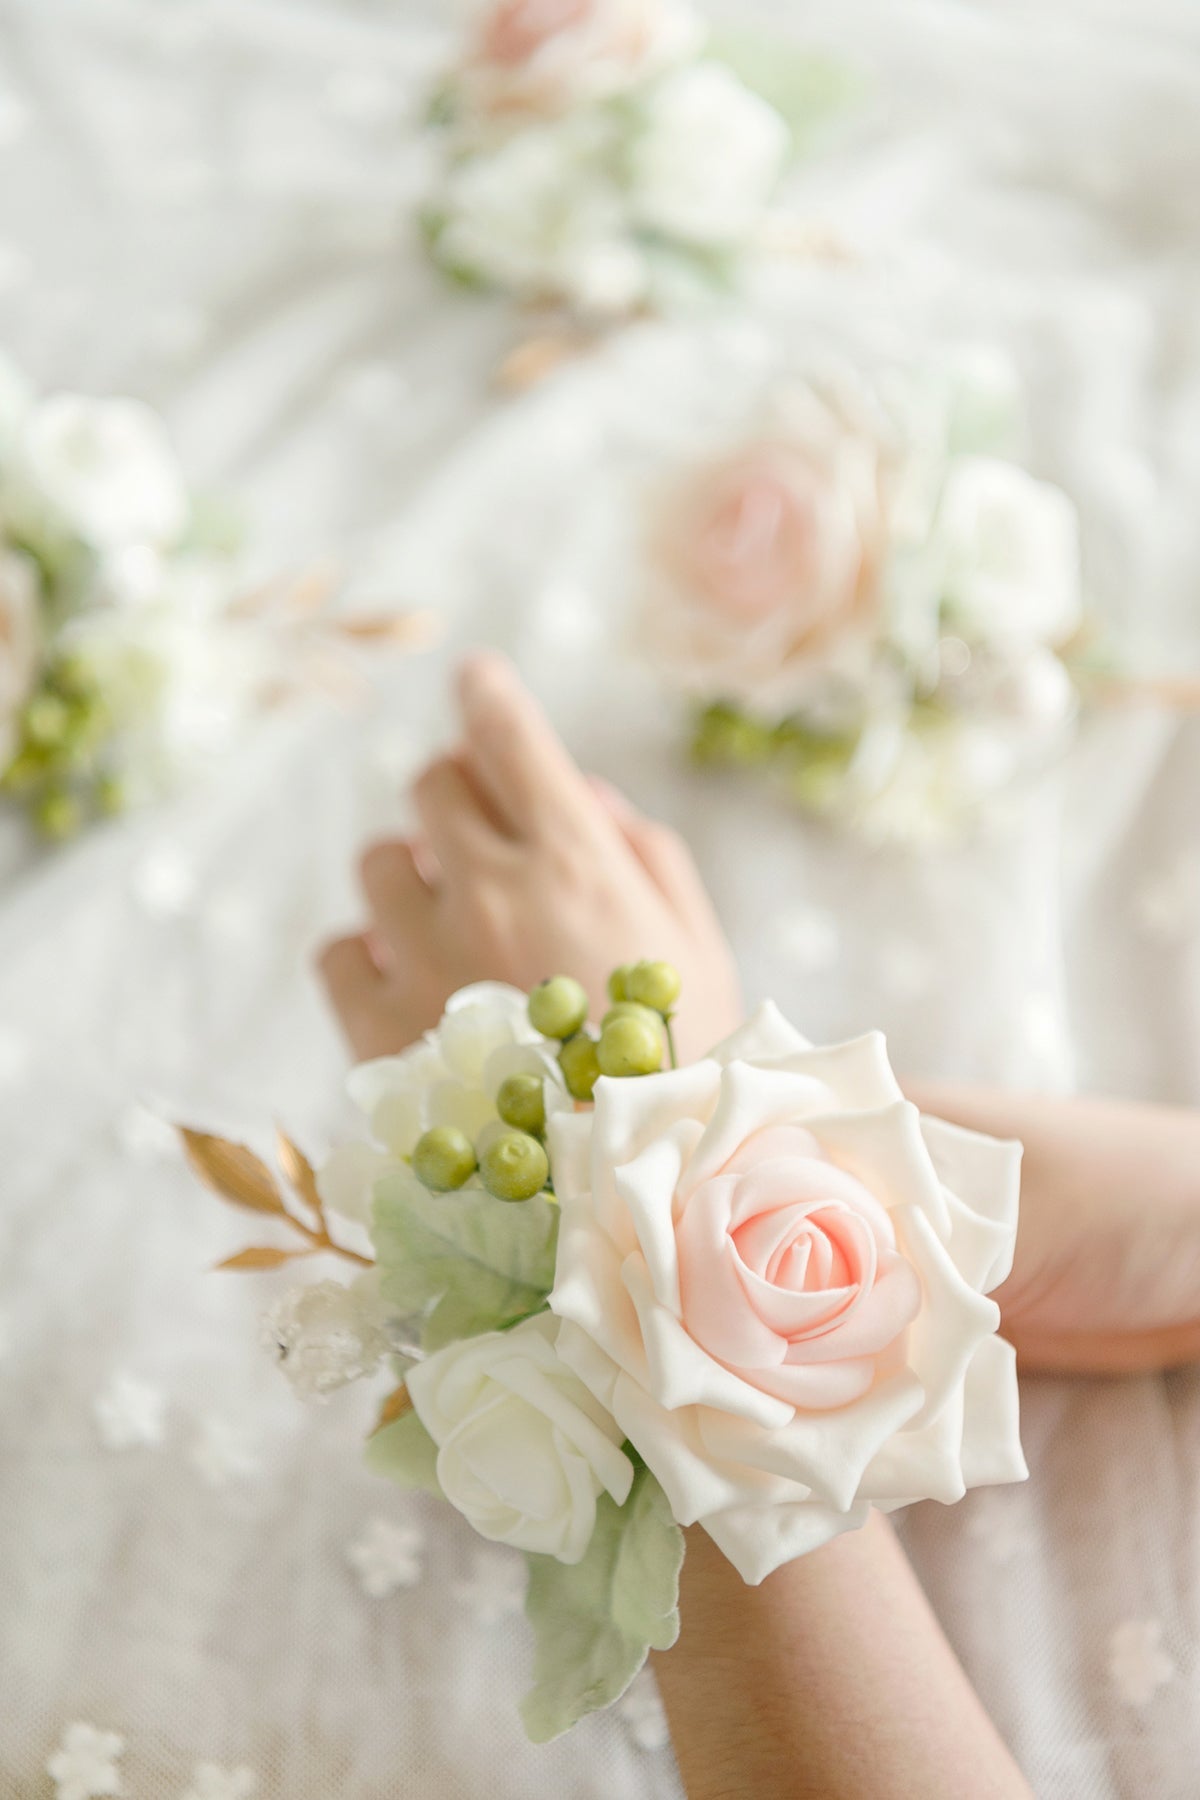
point(327, 1335)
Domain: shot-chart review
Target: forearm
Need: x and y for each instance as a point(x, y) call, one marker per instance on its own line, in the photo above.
point(831, 1680)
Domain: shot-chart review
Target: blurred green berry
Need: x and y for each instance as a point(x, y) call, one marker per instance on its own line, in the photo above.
point(630, 1046)
point(654, 984)
point(521, 1102)
point(443, 1159)
point(58, 814)
point(111, 795)
point(580, 1066)
point(616, 984)
point(514, 1166)
point(558, 1008)
point(46, 720)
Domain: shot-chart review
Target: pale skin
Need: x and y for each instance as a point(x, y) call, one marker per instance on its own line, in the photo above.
point(523, 867)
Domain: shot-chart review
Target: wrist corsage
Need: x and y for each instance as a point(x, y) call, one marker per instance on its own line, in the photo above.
point(132, 644)
point(622, 1298)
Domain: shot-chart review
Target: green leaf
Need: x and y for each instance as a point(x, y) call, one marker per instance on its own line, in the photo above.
point(596, 1620)
point(405, 1453)
point(464, 1262)
point(806, 88)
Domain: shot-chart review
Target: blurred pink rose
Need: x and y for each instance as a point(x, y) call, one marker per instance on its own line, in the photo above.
point(544, 56)
point(764, 564)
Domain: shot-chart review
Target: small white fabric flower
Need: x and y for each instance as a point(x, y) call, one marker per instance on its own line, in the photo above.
point(643, 1712)
point(106, 469)
point(129, 1413)
point(210, 1782)
point(327, 1334)
point(495, 1587)
point(84, 1767)
point(450, 1078)
point(386, 1555)
point(1137, 1663)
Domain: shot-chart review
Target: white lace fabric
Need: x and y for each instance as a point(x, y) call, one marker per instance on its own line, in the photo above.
point(204, 203)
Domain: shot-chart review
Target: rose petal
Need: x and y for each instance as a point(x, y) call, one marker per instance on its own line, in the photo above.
point(760, 1539)
point(629, 1116)
point(858, 1072)
point(984, 1173)
point(991, 1446)
point(766, 1035)
point(670, 1445)
point(750, 1099)
point(886, 1151)
point(954, 1320)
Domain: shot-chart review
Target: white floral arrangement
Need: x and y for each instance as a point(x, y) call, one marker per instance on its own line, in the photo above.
point(132, 648)
point(862, 592)
point(622, 1299)
point(607, 156)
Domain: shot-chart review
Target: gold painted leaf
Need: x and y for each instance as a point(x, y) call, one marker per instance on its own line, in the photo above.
point(409, 628)
point(397, 1404)
point(299, 1171)
point(260, 1256)
point(232, 1171)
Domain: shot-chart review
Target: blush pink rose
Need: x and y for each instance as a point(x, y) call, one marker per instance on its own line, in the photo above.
point(773, 1273)
point(545, 56)
point(763, 565)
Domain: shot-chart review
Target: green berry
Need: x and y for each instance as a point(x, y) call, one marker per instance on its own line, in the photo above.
point(616, 984)
point(630, 1046)
point(443, 1159)
point(580, 1065)
point(47, 720)
point(558, 1008)
point(58, 814)
point(654, 984)
point(629, 1009)
point(514, 1166)
point(521, 1102)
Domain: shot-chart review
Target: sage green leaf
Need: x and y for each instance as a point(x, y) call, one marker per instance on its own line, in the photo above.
point(807, 89)
point(463, 1262)
point(596, 1620)
point(405, 1453)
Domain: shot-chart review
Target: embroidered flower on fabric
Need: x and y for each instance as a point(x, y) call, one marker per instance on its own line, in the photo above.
point(84, 1766)
point(495, 1587)
point(1137, 1663)
point(212, 1783)
point(642, 1711)
point(386, 1555)
point(998, 1520)
point(129, 1413)
point(222, 1452)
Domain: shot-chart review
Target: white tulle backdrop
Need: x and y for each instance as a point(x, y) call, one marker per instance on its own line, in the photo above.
point(207, 203)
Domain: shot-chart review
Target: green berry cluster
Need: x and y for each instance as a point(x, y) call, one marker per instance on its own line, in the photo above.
point(58, 767)
point(512, 1163)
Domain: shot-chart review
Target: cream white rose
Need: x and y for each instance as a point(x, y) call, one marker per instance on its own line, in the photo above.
point(1008, 547)
point(524, 1450)
point(546, 56)
point(105, 469)
point(773, 1272)
point(708, 158)
point(451, 1077)
point(20, 638)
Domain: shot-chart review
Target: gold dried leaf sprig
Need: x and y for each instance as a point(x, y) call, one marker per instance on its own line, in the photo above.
point(239, 1176)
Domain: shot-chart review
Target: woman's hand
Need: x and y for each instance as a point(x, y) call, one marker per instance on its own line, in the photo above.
point(523, 869)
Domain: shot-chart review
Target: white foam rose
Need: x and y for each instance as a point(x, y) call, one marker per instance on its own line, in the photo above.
point(450, 1077)
point(546, 56)
point(773, 1273)
point(708, 158)
point(1008, 547)
point(104, 469)
point(20, 638)
point(524, 1450)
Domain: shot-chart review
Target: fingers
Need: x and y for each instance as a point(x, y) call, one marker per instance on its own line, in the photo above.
point(358, 994)
point(661, 851)
point(453, 815)
point(394, 884)
point(513, 752)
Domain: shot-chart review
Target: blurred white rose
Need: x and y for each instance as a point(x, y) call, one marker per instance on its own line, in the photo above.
point(524, 1451)
point(546, 56)
point(706, 164)
point(541, 216)
point(451, 1077)
point(105, 469)
point(20, 638)
point(1008, 547)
